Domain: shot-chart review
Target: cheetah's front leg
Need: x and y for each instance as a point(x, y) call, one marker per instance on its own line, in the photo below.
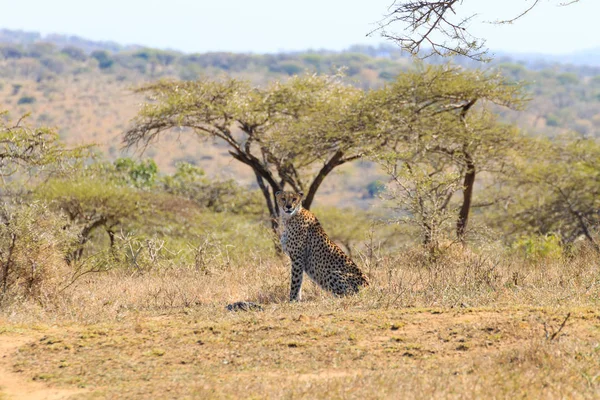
point(296, 280)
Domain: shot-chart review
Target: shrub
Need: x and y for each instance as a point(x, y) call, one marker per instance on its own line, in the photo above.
point(552, 120)
point(375, 187)
point(7, 51)
point(16, 87)
point(349, 228)
point(287, 67)
point(191, 183)
point(104, 59)
point(138, 174)
point(92, 203)
point(74, 53)
point(536, 247)
point(387, 76)
point(34, 243)
point(26, 100)
point(54, 64)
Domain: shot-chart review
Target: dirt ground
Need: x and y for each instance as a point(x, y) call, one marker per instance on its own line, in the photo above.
point(14, 385)
point(311, 351)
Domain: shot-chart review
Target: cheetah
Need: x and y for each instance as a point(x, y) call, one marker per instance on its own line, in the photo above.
point(311, 251)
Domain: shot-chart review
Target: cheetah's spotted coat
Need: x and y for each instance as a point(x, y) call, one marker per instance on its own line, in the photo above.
point(311, 251)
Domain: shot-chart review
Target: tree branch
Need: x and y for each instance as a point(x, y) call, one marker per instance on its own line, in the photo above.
point(333, 162)
point(434, 23)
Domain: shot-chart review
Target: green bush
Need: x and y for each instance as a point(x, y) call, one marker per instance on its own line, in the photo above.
point(74, 53)
point(104, 59)
point(375, 187)
point(552, 120)
point(567, 79)
point(119, 210)
point(535, 247)
point(191, 183)
point(139, 174)
point(346, 227)
point(287, 67)
point(93, 203)
point(26, 100)
point(199, 239)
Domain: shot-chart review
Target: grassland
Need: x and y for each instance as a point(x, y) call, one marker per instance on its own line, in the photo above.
point(479, 323)
point(472, 326)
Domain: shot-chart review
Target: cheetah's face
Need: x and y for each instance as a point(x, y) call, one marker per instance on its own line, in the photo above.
point(289, 202)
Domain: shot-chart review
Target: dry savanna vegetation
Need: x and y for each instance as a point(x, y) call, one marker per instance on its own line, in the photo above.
point(479, 237)
point(471, 326)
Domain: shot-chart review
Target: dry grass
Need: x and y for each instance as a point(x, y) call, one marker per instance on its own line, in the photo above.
point(471, 326)
point(458, 279)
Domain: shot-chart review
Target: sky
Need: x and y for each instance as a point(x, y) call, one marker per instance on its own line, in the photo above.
point(268, 26)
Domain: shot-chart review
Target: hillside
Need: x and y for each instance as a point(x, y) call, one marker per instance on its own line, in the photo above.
point(84, 89)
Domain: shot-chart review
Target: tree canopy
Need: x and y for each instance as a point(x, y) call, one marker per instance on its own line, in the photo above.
point(557, 190)
point(23, 147)
point(291, 133)
point(441, 135)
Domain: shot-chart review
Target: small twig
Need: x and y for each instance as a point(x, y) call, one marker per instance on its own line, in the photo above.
point(568, 3)
point(555, 334)
point(510, 21)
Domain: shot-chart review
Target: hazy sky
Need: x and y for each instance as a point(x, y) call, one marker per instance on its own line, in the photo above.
point(280, 25)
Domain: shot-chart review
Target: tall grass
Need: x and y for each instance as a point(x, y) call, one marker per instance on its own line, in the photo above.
point(492, 277)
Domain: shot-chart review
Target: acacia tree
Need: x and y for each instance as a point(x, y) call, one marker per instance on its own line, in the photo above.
point(29, 234)
point(24, 148)
point(422, 195)
point(557, 191)
point(93, 199)
point(433, 27)
point(291, 133)
point(440, 136)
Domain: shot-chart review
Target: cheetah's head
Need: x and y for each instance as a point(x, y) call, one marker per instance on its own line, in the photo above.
point(289, 202)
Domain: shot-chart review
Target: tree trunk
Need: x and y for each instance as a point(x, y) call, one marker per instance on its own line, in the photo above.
point(273, 211)
point(262, 174)
point(585, 230)
point(469, 183)
point(84, 237)
point(7, 264)
point(271, 206)
point(333, 162)
point(111, 236)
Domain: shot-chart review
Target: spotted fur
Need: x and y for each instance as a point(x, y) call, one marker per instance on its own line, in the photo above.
point(311, 251)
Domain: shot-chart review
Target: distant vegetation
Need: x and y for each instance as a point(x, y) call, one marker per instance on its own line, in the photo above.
point(470, 198)
point(453, 151)
point(563, 96)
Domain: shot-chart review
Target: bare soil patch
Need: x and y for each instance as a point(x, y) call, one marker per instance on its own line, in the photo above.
point(14, 385)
